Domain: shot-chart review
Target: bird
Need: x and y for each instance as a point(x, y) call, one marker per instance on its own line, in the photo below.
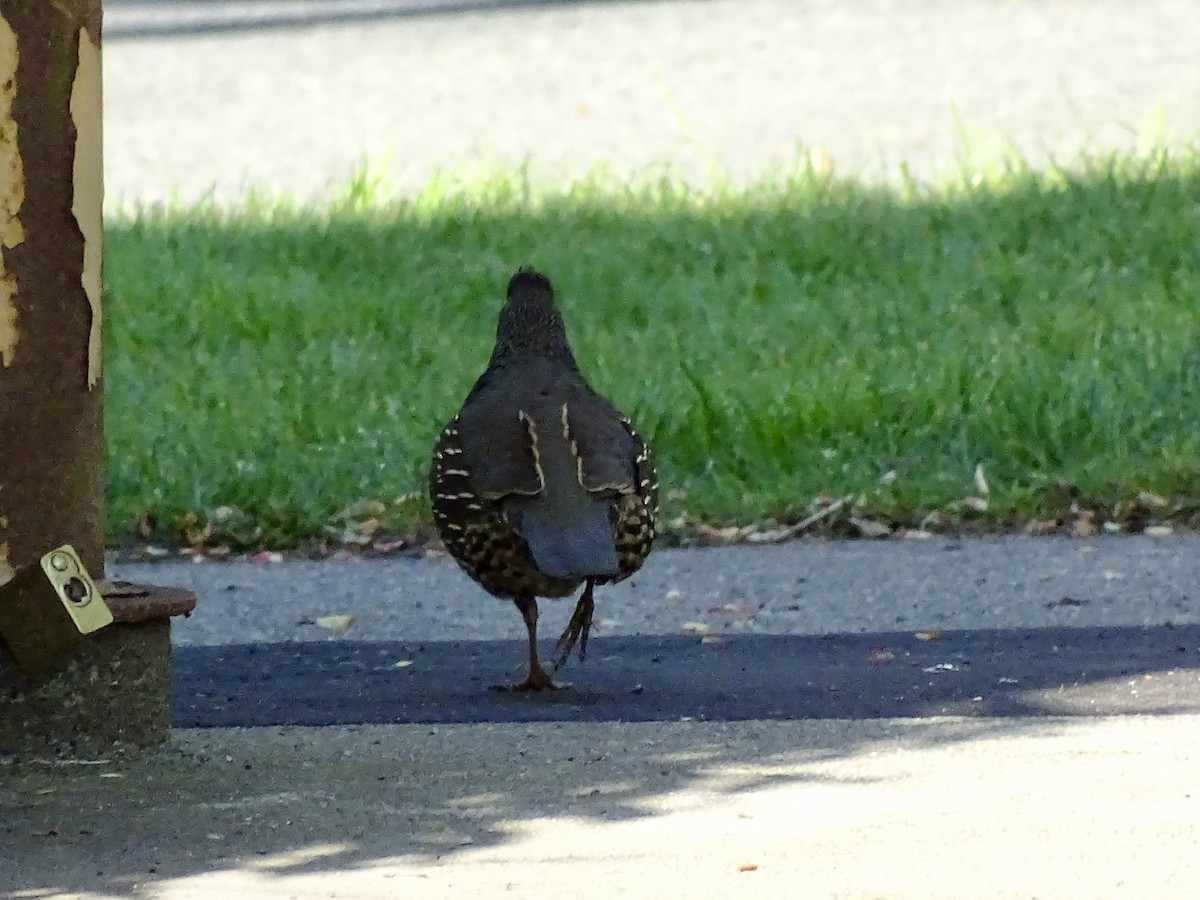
point(539, 484)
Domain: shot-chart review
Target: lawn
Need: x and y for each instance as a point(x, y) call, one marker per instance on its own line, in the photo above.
point(988, 352)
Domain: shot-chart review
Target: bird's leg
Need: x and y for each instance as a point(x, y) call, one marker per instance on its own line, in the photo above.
point(577, 629)
point(537, 679)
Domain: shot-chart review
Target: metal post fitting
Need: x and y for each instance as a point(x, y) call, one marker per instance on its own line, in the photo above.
point(47, 608)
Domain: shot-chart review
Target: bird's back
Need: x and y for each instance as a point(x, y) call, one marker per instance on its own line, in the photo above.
point(539, 482)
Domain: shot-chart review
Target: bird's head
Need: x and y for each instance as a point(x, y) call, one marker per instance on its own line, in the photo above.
point(530, 323)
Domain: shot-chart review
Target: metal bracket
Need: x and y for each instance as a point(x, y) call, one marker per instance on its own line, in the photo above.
point(47, 608)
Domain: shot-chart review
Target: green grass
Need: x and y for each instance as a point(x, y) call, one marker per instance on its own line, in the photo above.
point(278, 372)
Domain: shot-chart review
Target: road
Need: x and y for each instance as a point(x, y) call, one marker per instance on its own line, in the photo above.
point(204, 98)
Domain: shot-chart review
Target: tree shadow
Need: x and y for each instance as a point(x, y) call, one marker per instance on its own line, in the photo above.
point(470, 770)
point(663, 678)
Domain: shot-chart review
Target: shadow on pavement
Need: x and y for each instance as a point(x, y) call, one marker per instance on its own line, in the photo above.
point(1034, 672)
point(250, 808)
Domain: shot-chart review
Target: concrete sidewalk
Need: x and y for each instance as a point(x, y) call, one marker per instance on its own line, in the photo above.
point(949, 809)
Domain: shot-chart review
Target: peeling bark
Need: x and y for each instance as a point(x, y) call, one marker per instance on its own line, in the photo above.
point(51, 449)
point(88, 175)
point(12, 191)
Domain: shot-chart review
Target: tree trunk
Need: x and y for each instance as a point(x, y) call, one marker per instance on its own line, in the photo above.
point(51, 191)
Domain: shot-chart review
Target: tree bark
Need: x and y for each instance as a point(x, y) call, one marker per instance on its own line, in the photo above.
point(51, 443)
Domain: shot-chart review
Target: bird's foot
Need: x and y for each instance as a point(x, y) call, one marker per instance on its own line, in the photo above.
point(538, 679)
point(576, 632)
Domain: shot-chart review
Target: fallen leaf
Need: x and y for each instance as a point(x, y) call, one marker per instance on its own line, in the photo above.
point(869, 528)
point(712, 534)
point(1152, 500)
point(403, 664)
point(339, 624)
point(933, 634)
point(389, 546)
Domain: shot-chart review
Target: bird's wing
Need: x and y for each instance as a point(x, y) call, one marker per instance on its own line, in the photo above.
point(500, 443)
point(605, 447)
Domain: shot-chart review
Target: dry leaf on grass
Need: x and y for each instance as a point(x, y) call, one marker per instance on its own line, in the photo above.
point(1040, 527)
point(869, 528)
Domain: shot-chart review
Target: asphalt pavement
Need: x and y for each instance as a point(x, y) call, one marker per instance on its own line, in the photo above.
point(1004, 717)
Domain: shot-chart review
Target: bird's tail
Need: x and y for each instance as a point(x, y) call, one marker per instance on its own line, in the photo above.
point(572, 541)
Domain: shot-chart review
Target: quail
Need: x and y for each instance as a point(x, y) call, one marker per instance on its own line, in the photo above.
point(539, 485)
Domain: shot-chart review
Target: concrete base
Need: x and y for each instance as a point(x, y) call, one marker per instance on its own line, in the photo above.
point(115, 689)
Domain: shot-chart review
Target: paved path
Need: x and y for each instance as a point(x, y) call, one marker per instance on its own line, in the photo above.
point(293, 94)
point(863, 719)
point(1021, 626)
point(940, 809)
